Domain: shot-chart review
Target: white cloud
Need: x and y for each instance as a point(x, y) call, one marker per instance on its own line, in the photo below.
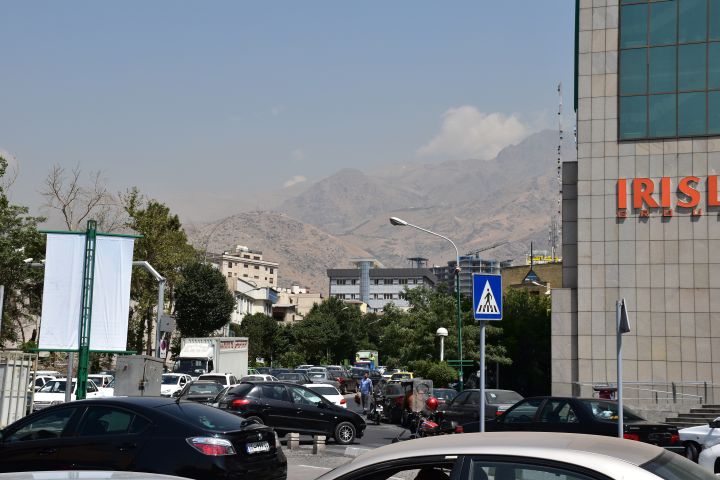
point(469, 133)
point(298, 155)
point(294, 181)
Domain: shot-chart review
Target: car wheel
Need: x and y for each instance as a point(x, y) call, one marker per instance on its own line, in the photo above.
point(344, 433)
point(692, 451)
point(255, 418)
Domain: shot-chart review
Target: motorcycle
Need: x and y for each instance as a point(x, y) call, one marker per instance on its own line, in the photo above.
point(376, 410)
point(426, 425)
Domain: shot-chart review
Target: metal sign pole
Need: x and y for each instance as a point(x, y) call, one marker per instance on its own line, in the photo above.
point(86, 315)
point(68, 383)
point(482, 375)
point(621, 429)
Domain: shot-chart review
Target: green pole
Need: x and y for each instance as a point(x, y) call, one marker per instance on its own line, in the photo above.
point(86, 313)
point(459, 326)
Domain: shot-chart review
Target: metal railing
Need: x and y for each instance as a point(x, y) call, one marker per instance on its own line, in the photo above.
point(699, 392)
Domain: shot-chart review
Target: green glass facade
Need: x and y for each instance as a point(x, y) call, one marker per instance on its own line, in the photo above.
point(669, 69)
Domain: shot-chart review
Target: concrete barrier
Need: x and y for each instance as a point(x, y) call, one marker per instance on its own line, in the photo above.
point(318, 444)
point(293, 442)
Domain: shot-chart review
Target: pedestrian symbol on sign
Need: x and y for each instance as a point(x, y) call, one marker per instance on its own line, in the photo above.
point(487, 303)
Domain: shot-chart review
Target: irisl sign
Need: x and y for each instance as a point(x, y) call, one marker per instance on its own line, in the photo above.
point(646, 196)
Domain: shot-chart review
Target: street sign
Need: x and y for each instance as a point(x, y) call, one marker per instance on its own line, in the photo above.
point(167, 323)
point(487, 297)
point(464, 363)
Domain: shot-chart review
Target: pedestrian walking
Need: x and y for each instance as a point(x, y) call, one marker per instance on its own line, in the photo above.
point(366, 388)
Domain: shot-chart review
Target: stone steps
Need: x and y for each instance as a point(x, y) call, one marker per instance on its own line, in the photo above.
point(696, 416)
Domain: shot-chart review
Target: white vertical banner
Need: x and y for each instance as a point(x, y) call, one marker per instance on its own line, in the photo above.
point(111, 293)
point(62, 292)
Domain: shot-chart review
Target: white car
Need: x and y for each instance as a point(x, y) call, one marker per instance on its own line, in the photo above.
point(696, 439)
point(53, 393)
point(519, 455)
point(173, 382)
point(331, 393)
point(224, 379)
point(258, 378)
point(40, 380)
point(100, 379)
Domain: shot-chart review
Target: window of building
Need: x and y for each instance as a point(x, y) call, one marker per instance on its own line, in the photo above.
point(271, 280)
point(229, 264)
point(376, 281)
point(387, 281)
point(389, 296)
point(246, 256)
point(230, 275)
point(669, 69)
point(246, 265)
point(403, 281)
point(256, 258)
point(341, 281)
point(272, 270)
point(245, 274)
point(257, 267)
point(353, 281)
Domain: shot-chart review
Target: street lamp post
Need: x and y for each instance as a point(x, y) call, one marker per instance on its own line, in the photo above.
point(402, 223)
point(442, 333)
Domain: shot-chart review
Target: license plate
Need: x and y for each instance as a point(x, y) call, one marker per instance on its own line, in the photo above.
point(257, 447)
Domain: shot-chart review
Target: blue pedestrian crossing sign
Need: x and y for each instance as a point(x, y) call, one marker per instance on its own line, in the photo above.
point(487, 297)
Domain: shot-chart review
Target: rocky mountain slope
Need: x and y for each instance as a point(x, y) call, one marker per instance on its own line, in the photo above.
point(475, 203)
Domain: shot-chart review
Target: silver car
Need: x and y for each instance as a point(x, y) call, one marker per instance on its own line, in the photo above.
point(520, 455)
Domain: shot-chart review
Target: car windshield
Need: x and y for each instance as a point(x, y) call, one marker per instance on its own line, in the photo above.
point(170, 379)
point(204, 416)
point(204, 389)
point(358, 371)
point(671, 466)
point(289, 376)
point(498, 397)
point(55, 386)
point(444, 393)
point(325, 390)
point(607, 410)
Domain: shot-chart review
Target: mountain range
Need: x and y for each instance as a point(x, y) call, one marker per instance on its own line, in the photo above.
point(476, 203)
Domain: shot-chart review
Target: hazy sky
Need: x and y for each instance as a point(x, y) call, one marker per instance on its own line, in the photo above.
point(203, 104)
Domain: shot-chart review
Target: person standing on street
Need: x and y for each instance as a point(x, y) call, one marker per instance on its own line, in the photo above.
point(366, 388)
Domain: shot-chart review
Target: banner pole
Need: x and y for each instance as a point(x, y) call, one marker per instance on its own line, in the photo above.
point(86, 312)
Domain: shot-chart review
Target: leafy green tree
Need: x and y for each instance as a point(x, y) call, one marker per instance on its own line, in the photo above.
point(316, 336)
point(526, 335)
point(19, 240)
point(441, 374)
point(261, 331)
point(165, 246)
point(203, 302)
point(291, 359)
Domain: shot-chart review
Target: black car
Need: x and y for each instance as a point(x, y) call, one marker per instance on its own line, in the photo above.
point(393, 399)
point(142, 434)
point(581, 415)
point(203, 391)
point(292, 408)
point(465, 407)
point(444, 395)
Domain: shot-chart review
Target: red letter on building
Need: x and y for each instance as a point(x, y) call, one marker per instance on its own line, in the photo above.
point(642, 193)
point(665, 192)
point(712, 193)
point(622, 194)
point(685, 188)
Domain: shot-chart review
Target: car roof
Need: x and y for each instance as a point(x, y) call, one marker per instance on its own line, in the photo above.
point(551, 446)
point(312, 385)
point(149, 402)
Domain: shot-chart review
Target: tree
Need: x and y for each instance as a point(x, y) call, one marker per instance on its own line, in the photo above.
point(19, 240)
point(165, 246)
point(316, 336)
point(77, 203)
point(203, 303)
point(261, 332)
point(526, 335)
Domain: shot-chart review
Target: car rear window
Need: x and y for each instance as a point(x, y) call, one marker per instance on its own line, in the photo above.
point(215, 378)
point(204, 416)
point(671, 466)
point(289, 376)
point(497, 398)
point(605, 410)
point(205, 389)
point(325, 390)
point(241, 390)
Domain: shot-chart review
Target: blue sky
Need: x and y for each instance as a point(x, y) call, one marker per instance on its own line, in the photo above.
point(202, 104)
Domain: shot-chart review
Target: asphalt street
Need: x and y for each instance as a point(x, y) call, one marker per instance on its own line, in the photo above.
point(303, 465)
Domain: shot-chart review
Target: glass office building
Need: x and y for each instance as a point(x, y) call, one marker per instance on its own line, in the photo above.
point(641, 206)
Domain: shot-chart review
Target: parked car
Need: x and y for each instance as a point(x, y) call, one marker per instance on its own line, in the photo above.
point(293, 408)
point(85, 475)
point(695, 439)
point(444, 395)
point(150, 434)
point(275, 371)
point(53, 393)
point(294, 377)
point(258, 378)
point(304, 367)
point(201, 391)
point(324, 377)
point(465, 407)
point(348, 384)
point(513, 455)
point(328, 392)
point(581, 415)
point(260, 371)
point(316, 369)
point(39, 382)
point(400, 376)
point(173, 382)
point(224, 379)
point(101, 380)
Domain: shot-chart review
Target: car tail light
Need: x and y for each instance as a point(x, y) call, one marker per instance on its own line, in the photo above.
point(499, 412)
point(631, 436)
point(211, 446)
point(239, 402)
point(459, 429)
point(343, 401)
point(674, 438)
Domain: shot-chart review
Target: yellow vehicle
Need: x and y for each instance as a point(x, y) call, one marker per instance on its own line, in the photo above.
point(400, 376)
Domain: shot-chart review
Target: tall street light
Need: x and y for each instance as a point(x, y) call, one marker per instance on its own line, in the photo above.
point(402, 223)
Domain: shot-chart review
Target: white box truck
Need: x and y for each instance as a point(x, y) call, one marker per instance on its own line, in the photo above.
point(213, 355)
